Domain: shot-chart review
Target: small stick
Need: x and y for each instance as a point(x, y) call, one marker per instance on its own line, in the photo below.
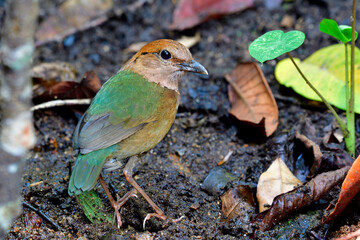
point(38, 211)
point(350, 235)
point(59, 103)
point(36, 183)
point(225, 159)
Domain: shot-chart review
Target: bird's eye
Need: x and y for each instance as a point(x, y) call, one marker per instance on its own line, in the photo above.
point(165, 54)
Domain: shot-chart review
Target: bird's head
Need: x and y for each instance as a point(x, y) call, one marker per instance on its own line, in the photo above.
point(164, 62)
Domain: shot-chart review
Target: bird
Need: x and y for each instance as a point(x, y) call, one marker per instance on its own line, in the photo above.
point(130, 114)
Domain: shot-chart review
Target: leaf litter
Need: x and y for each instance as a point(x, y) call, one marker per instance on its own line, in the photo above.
point(251, 99)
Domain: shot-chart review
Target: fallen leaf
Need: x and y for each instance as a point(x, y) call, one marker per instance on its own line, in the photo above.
point(276, 180)
point(53, 72)
point(335, 156)
point(327, 76)
point(190, 41)
point(58, 80)
point(72, 16)
point(349, 188)
point(238, 202)
point(251, 98)
point(189, 13)
point(32, 220)
point(300, 197)
point(311, 155)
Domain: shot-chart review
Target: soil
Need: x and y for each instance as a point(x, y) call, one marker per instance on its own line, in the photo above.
point(203, 133)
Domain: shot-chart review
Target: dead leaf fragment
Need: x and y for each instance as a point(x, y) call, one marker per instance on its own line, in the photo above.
point(189, 13)
point(276, 180)
point(300, 197)
point(54, 71)
point(349, 188)
point(32, 220)
point(238, 203)
point(310, 151)
point(251, 98)
point(58, 80)
point(72, 16)
point(190, 41)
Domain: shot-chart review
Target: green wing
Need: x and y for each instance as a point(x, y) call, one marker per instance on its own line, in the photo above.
point(124, 104)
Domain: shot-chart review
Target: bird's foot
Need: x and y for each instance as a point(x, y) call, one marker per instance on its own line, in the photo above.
point(160, 216)
point(120, 202)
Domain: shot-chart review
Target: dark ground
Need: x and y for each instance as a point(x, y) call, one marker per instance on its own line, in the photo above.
point(202, 134)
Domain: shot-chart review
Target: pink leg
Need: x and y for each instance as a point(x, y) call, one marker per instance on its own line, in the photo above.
point(116, 205)
point(128, 172)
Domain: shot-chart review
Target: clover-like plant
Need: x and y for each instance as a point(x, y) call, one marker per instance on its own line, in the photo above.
point(275, 43)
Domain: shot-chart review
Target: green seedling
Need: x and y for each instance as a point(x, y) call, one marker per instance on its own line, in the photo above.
point(344, 34)
point(275, 43)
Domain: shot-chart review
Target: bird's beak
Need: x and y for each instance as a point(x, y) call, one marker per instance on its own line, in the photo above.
point(194, 67)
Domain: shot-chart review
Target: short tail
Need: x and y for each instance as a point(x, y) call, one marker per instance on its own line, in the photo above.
point(84, 174)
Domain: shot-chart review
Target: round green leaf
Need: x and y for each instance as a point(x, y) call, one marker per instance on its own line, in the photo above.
point(275, 43)
point(325, 69)
point(342, 32)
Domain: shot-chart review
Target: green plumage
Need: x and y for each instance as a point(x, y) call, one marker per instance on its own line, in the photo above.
point(124, 105)
point(127, 97)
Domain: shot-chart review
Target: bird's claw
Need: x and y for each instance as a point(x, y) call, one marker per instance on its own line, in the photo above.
point(160, 216)
point(120, 202)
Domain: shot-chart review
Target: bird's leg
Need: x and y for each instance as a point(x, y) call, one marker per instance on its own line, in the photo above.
point(116, 205)
point(128, 172)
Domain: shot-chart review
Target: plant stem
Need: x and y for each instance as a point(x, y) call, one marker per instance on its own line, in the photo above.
point(338, 119)
point(350, 119)
point(350, 125)
point(347, 86)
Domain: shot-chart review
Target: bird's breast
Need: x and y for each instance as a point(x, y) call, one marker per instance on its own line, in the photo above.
point(152, 133)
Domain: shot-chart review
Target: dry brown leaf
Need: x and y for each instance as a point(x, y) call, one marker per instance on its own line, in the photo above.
point(58, 80)
point(311, 152)
point(287, 203)
point(349, 189)
point(72, 16)
point(54, 71)
point(251, 98)
point(238, 202)
point(190, 41)
point(276, 180)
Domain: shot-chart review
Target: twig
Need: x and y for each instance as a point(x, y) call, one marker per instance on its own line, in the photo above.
point(36, 183)
point(225, 159)
point(350, 235)
point(59, 103)
point(39, 212)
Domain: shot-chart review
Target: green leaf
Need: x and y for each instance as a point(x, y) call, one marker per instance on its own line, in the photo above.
point(325, 69)
point(93, 208)
point(342, 32)
point(275, 43)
